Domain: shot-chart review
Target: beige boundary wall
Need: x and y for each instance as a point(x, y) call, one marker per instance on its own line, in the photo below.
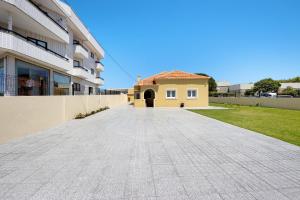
point(286, 103)
point(20, 116)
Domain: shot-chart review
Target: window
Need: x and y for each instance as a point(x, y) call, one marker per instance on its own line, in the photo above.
point(76, 87)
point(171, 94)
point(91, 90)
point(61, 84)
point(76, 42)
point(1, 66)
point(191, 93)
point(31, 79)
point(92, 71)
point(76, 63)
point(137, 95)
point(92, 55)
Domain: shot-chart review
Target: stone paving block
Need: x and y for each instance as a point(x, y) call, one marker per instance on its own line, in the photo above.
point(140, 189)
point(278, 181)
point(291, 193)
point(17, 176)
point(251, 182)
point(255, 167)
point(197, 186)
point(269, 195)
point(206, 197)
point(225, 184)
point(21, 191)
point(238, 196)
point(169, 187)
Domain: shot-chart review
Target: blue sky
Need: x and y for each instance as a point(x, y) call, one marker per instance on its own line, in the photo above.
point(235, 40)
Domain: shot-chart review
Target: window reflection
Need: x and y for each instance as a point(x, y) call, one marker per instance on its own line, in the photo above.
point(61, 84)
point(32, 80)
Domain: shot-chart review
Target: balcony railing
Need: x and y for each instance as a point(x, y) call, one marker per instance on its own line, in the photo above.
point(45, 13)
point(100, 78)
point(31, 41)
point(81, 67)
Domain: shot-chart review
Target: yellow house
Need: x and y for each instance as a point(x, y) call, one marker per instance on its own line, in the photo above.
point(172, 89)
point(130, 95)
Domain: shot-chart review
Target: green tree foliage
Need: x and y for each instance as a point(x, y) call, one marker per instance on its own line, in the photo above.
point(250, 92)
point(212, 83)
point(266, 85)
point(291, 80)
point(290, 91)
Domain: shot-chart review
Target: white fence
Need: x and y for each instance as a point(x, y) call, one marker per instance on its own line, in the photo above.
point(286, 103)
point(21, 116)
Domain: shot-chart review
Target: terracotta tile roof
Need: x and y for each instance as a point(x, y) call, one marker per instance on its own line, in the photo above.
point(170, 75)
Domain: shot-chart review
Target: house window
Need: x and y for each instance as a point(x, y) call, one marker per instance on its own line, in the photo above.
point(92, 71)
point(92, 55)
point(191, 93)
point(137, 95)
point(76, 87)
point(171, 94)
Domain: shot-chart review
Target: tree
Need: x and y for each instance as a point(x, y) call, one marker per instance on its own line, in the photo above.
point(211, 82)
point(291, 80)
point(266, 85)
point(249, 92)
point(290, 91)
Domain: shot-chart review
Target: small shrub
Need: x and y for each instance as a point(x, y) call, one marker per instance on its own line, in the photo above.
point(80, 116)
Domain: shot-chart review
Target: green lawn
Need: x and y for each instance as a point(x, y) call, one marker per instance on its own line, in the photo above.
point(278, 123)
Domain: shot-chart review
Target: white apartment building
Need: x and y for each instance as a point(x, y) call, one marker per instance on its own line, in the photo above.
point(46, 50)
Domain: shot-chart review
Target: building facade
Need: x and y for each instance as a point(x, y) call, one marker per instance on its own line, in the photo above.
point(172, 89)
point(240, 89)
point(222, 87)
point(46, 50)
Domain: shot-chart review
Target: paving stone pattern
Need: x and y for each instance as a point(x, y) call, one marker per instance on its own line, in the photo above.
point(152, 154)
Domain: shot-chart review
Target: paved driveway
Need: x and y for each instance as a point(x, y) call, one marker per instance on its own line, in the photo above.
point(128, 153)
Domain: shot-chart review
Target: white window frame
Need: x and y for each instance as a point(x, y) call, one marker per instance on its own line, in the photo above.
point(192, 89)
point(171, 89)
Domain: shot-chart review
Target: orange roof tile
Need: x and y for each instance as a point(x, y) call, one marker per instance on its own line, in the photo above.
point(170, 75)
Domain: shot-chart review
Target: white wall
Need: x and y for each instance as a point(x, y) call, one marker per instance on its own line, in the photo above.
point(286, 103)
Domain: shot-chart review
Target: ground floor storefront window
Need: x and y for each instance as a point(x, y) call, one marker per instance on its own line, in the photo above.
point(31, 79)
point(61, 84)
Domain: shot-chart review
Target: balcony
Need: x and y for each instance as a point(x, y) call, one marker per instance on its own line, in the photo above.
point(34, 18)
point(99, 81)
point(80, 52)
point(80, 72)
point(16, 43)
point(99, 66)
